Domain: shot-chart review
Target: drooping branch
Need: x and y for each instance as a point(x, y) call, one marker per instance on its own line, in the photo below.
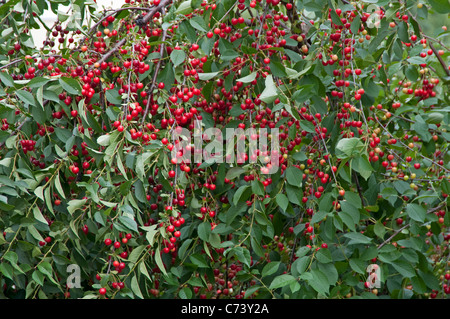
point(393, 235)
point(441, 61)
point(115, 11)
point(111, 52)
point(151, 13)
point(155, 75)
point(147, 17)
point(21, 60)
point(432, 210)
point(436, 53)
point(155, 9)
point(358, 187)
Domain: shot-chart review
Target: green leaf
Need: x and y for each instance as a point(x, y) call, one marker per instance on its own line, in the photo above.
point(46, 269)
point(324, 256)
point(355, 25)
point(270, 268)
point(103, 140)
point(404, 268)
point(184, 8)
point(440, 6)
point(347, 209)
point(151, 232)
point(177, 57)
point(319, 216)
point(307, 126)
point(136, 253)
point(6, 269)
point(421, 127)
point(282, 281)
point(33, 232)
point(242, 254)
point(294, 176)
point(37, 82)
point(282, 201)
point(185, 293)
point(416, 212)
point(5, 77)
point(70, 85)
point(113, 97)
point(348, 147)
point(318, 281)
point(38, 215)
point(38, 277)
point(430, 280)
point(233, 212)
point(257, 188)
point(207, 76)
point(26, 97)
point(239, 193)
point(228, 55)
point(402, 31)
point(294, 75)
point(434, 118)
point(5, 7)
point(247, 79)
point(198, 23)
point(300, 265)
point(234, 172)
point(203, 230)
point(277, 69)
point(39, 192)
point(358, 265)
point(411, 73)
point(135, 288)
point(128, 223)
point(362, 165)
point(75, 204)
point(379, 229)
point(419, 285)
point(269, 94)
point(357, 238)
point(159, 261)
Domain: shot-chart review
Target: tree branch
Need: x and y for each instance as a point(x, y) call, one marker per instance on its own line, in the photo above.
point(358, 187)
point(21, 60)
point(436, 53)
point(152, 12)
point(111, 52)
point(441, 61)
point(155, 75)
point(393, 235)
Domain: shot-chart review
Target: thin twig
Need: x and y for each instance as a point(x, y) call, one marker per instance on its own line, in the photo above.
point(436, 53)
point(393, 235)
point(358, 187)
point(111, 52)
point(155, 75)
